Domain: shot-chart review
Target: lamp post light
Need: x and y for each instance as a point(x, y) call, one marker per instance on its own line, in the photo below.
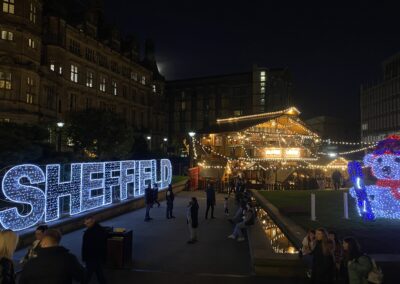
point(191, 145)
point(149, 139)
point(165, 144)
point(60, 125)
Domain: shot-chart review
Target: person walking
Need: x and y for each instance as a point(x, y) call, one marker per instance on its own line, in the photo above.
point(210, 192)
point(193, 219)
point(148, 196)
point(155, 195)
point(53, 265)
point(170, 202)
point(323, 266)
point(355, 265)
point(8, 244)
point(32, 251)
point(226, 207)
point(94, 249)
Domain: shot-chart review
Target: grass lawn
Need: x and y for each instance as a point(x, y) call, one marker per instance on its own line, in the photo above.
point(176, 179)
point(379, 236)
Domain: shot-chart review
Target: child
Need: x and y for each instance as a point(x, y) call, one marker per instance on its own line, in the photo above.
point(226, 206)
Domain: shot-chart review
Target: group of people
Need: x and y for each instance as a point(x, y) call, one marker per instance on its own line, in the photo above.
point(332, 261)
point(46, 261)
point(151, 198)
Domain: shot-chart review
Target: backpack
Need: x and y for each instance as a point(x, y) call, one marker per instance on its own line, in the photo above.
point(375, 276)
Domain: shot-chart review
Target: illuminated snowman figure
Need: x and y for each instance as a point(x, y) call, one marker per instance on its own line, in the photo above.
point(381, 200)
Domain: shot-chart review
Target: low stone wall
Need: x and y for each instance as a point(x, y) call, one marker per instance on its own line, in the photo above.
point(264, 260)
point(74, 223)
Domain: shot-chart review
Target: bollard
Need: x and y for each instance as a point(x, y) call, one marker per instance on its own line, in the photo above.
point(345, 205)
point(313, 217)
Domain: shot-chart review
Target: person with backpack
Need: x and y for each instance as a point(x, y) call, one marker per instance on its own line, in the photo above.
point(248, 220)
point(355, 265)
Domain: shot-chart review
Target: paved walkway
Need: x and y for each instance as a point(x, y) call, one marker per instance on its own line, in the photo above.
point(160, 251)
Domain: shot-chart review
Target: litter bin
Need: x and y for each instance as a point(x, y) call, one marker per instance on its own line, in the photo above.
point(119, 249)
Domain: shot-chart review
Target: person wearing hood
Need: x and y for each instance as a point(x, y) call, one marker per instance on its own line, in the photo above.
point(94, 249)
point(53, 264)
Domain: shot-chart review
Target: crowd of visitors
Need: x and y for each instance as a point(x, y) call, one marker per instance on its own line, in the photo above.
point(331, 261)
point(151, 198)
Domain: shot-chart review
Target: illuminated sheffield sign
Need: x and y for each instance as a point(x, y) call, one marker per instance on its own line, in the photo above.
point(85, 186)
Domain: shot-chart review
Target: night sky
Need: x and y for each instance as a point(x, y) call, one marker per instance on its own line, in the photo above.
point(331, 47)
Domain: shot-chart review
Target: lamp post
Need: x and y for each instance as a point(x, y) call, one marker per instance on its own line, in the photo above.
point(149, 139)
point(60, 125)
point(165, 144)
point(191, 145)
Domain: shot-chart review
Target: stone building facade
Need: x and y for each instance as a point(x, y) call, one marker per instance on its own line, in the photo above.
point(57, 57)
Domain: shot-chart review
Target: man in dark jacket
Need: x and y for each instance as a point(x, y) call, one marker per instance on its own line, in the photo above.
point(170, 202)
point(148, 196)
point(53, 264)
point(210, 200)
point(94, 249)
point(193, 219)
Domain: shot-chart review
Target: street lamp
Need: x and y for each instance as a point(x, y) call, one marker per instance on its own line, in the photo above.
point(60, 125)
point(149, 139)
point(191, 134)
point(165, 139)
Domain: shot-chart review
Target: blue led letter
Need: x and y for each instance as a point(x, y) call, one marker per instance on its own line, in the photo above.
point(92, 185)
point(127, 178)
point(14, 191)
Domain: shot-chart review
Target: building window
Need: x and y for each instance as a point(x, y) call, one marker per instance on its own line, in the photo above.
point(30, 90)
point(143, 81)
point(90, 55)
point(5, 80)
point(154, 88)
point(134, 76)
point(89, 79)
point(74, 73)
point(102, 84)
point(262, 76)
point(124, 91)
point(6, 35)
point(31, 43)
point(237, 113)
point(60, 70)
point(52, 67)
point(8, 6)
point(74, 47)
point(32, 14)
point(114, 87)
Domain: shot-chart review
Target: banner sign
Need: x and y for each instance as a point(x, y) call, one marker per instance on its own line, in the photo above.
point(86, 186)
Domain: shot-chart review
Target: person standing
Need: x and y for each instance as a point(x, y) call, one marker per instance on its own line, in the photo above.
point(356, 265)
point(53, 265)
point(226, 207)
point(8, 244)
point(148, 196)
point(210, 200)
point(155, 195)
point(336, 179)
point(32, 251)
point(193, 219)
point(94, 249)
point(170, 202)
point(323, 266)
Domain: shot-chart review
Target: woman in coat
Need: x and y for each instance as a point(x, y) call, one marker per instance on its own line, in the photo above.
point(323, 266)
point(355, 265)
point(8, 244)
point(193, 219)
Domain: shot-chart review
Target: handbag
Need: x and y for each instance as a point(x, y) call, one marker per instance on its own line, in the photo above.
point(375, 276)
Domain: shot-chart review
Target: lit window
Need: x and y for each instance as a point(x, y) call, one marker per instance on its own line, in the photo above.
point(52, 67)
point(143, 81)
point(5, 80)
point(31, 43)
point(154, 88)
point(60, 70)
point(8, 6)
point(89, 79)
point(364, 126)
point(262, 76)
point(237, 112)
point(74, 73)
point(134, 76)
point(114, 86)
point(6, 35)
point(32, 14)
point(30, 90)
point(102, 84)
